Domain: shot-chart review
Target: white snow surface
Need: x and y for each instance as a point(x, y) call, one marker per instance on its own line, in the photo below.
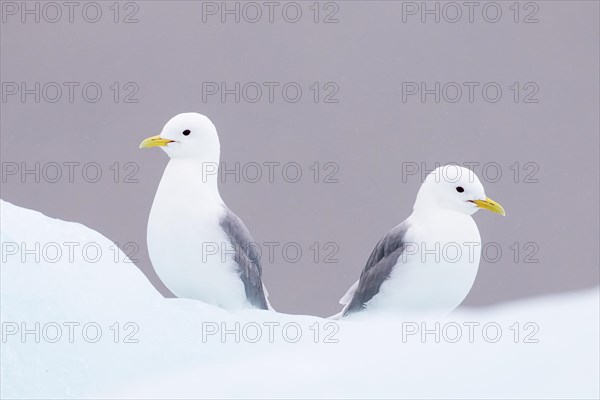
point(175, 356)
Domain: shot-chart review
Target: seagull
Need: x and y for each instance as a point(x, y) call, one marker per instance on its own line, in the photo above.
point(199, 248)
point(428, 263)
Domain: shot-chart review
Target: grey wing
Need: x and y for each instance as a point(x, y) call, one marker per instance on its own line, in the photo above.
point(379, 267)
point(247, 259)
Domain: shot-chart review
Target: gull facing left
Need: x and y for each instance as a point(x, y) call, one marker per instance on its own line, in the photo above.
point(199, 248)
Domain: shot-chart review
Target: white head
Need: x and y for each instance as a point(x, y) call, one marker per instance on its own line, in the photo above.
point(454, 188)
point(188, 135)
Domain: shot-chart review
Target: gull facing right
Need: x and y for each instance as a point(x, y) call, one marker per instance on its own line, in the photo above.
point(428, 263)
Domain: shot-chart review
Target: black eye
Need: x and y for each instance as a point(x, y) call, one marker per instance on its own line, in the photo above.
point(460, 189)
point(186, 132)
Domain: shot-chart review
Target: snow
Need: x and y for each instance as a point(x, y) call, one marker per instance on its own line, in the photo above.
point(172, 351)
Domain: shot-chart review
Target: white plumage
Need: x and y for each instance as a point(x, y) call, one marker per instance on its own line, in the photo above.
point(429, 262)
point(198, 247)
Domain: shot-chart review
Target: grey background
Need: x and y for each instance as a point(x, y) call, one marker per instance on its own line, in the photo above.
point(368, 133)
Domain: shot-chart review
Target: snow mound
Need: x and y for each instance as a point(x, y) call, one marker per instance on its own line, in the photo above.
point(80, 320)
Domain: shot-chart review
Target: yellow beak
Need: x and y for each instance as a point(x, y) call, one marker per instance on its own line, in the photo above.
point(491, 205)
point(155, 141)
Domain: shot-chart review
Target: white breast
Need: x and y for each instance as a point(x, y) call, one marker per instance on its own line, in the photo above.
point(188, 249)
point(438, 268)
